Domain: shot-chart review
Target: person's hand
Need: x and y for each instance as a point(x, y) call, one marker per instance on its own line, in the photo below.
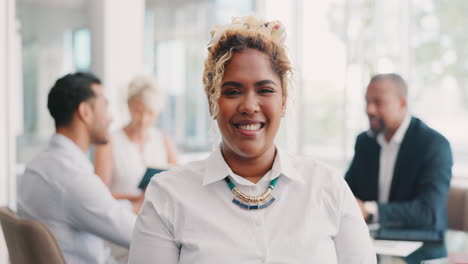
point(136, 205)
point(135, 200)
point(140, 197)
point(130, 197)
point(363, 209)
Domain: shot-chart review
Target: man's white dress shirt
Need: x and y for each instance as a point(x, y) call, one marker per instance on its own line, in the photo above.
point(388, 155)
point(59, 188)
point(188, 217)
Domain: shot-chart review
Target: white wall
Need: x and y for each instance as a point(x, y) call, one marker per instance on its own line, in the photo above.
point(43, 29)
point(3, 120)
point(117, 28)
point(4, 128)
point(6, 151)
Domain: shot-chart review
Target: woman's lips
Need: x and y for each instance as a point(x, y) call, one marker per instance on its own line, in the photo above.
point(249, 128)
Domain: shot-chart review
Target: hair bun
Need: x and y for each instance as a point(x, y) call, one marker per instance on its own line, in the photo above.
point(273, 29)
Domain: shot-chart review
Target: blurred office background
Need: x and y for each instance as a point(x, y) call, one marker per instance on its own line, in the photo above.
point(335, 45)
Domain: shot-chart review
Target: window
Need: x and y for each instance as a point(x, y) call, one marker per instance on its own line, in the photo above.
point(335, 46)
point(345, 42)
point(176, 38)
point(55, 41)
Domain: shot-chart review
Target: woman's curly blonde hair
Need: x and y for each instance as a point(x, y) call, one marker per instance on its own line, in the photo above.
point(241, 34)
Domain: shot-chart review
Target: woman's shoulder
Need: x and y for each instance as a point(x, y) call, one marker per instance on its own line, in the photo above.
point(319, 177)
point(316, 172)
point(184, 175)
point(310, 165)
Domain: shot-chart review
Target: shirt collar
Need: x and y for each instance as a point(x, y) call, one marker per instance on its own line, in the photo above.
point(61, 141)
point(217, 168)
point(399, 134)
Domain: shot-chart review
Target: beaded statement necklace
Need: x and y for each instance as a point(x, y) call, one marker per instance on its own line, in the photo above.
point(247, 202)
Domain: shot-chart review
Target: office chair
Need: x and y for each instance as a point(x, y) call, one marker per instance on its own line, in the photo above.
point(457, 207)
point(29, 241)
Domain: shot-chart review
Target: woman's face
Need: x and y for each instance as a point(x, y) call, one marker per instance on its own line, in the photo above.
point(141, 115)
point(251, 104)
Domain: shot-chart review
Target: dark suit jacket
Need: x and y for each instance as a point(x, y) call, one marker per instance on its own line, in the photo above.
point(421, 179)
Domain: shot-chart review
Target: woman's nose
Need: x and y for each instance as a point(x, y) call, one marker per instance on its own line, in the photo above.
point(249, 104)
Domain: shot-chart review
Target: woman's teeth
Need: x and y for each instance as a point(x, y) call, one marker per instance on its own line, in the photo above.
point(250, 127)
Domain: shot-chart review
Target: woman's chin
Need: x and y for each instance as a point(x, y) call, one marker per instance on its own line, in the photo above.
point(249, 150)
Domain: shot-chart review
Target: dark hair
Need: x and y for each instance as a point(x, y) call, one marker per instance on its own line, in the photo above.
point(67, 94)
point(395, 78)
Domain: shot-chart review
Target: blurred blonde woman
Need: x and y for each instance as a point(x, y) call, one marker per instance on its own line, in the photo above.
point(138, 145)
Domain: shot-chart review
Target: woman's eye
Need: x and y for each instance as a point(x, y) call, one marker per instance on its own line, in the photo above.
point(231, 92)
point(266, 90)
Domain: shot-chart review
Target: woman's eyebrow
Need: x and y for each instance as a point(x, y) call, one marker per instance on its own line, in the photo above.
point(232, 83)
point(260, 83)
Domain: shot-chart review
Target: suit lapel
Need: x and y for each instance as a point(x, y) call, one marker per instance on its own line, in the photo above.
point(404, 159)
point(368, 183)
point(374, 165)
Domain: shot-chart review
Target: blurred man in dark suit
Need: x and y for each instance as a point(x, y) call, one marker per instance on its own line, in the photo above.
point(401, 170)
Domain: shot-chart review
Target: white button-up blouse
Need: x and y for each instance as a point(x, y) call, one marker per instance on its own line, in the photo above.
point(188, 217)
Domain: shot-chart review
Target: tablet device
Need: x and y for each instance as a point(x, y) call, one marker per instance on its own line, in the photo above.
point(150, 172)
point(408, 235)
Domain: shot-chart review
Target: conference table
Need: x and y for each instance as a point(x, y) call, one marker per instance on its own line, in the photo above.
point(411, 246)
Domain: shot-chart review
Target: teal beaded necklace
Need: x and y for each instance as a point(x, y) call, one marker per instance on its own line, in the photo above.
point(252, 202)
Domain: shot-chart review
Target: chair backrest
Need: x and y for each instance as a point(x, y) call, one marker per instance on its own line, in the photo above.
point(29, 241)
point(457, 206)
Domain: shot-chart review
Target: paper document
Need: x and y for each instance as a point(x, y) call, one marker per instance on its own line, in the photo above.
point(396, 248)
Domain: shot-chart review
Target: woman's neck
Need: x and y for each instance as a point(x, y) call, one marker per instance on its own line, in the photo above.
point(250, 168)
point(136, 134)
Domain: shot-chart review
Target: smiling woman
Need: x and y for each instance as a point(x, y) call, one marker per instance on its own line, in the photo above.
point(249, 202)
point(250, 109)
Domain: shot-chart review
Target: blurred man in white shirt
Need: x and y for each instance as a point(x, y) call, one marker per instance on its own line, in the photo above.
point(59, 187)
